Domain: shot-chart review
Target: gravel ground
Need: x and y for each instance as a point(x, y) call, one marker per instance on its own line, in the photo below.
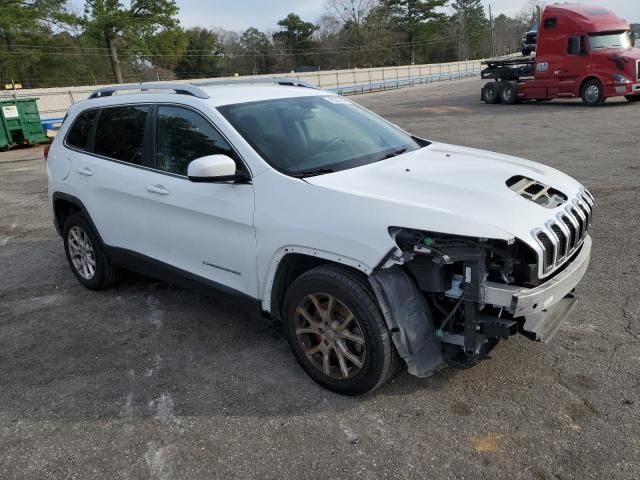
point(149, 381)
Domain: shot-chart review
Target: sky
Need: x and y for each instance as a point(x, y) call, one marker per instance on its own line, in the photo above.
point(264, 14)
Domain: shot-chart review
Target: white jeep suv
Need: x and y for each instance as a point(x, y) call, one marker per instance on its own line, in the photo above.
point(370, 246)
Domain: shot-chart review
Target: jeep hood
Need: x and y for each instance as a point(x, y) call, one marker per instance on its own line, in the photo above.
point(449, 189)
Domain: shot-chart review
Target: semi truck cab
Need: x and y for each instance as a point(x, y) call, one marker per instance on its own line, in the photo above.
point(582, 51)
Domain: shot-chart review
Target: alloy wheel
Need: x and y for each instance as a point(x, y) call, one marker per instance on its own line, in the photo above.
point(81, 252)
point(330, 336)
point(592, 93)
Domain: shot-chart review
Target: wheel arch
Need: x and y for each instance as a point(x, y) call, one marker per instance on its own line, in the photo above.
point(65, 205)
point(587, 79)
point(291, 262)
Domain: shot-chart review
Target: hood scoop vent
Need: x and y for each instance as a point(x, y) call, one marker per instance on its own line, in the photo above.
point(537, 192)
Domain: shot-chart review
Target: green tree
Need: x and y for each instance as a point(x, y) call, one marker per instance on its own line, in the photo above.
point(131, 28)
point(296, 36)
point(470, 25)
point(412, 15)
point(257, 49)
point(201, 58)
point(21, 21)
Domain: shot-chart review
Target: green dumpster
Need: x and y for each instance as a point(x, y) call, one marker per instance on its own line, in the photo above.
point(20, 122)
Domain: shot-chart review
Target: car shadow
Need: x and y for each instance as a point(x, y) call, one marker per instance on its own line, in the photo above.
point(146, 349)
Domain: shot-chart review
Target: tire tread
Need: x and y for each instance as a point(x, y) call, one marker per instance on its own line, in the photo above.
point(360, 287)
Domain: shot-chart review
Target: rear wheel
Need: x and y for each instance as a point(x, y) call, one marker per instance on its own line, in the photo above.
point(336, 331)
point(633, 98)
point(593, 93)
point(509, 93)
point(491, 93)
point(88, 261)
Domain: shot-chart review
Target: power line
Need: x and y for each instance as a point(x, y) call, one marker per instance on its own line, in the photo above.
point(277, 52)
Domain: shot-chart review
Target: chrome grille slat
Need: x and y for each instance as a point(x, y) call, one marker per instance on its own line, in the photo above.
point(585, 208)
point(586, 196)
point(582, 221)
point(561, 237)
point(562, 233)
point(572, 225)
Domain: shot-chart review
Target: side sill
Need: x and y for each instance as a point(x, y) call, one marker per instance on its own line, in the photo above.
point(150, 267)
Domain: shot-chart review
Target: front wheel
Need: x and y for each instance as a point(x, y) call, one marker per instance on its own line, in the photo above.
point(633, 98)
point(593, 93)
point(336, 331)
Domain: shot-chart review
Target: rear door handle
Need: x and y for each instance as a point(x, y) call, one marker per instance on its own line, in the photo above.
point(157, 189)
point(85, 171)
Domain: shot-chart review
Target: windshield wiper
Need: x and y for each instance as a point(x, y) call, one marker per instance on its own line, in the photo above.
point(313, 173)
point(394, 154)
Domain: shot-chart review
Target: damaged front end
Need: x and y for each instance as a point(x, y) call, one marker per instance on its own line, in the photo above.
point(450, 299)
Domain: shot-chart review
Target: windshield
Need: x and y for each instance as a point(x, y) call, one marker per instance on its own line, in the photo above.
point(606, 40)
point(317, 134)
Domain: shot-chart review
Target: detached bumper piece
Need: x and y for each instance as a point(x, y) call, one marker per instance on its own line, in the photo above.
point(547, 306)
point(544, 325)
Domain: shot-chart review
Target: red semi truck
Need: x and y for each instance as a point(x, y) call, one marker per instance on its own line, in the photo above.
point(582, 51)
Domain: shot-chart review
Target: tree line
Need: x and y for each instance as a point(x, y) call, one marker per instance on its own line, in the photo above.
point(44, 43)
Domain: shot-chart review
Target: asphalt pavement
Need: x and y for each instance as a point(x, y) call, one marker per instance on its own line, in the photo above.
point(149, 381)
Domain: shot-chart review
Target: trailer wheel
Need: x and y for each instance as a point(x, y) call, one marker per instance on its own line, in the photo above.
point(509, 93)
point(593, 93)
point(491, 93)
point(633, 98)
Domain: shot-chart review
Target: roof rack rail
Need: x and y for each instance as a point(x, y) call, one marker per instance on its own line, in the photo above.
point(290, 82)
point(179, 88)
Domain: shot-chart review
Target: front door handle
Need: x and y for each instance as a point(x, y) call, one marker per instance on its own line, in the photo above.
point(157, 189)
point(85, 171)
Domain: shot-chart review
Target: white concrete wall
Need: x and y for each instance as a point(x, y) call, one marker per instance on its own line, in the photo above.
point(54, 102)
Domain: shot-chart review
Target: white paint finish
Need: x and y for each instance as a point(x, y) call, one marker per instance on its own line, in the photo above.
point(237, 234)
point(220, 243)
point(448, 189)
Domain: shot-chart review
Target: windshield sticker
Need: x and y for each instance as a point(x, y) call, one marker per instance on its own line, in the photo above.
point(543, 67)
point(337, 99)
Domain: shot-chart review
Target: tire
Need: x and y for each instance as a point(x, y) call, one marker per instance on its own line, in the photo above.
point(526, 53)
point(593, 93)
point(317, 340)
point(509, 93)
point(633, 98)
point(491, 93)
point(88, 261)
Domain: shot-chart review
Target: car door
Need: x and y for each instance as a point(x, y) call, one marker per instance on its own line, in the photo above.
point(110, 176)
point(205, 229)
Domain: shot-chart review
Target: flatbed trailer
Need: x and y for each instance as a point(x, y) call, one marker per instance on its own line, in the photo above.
point(582, 52)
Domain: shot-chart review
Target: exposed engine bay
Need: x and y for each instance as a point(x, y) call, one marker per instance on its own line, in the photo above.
point(471, 290)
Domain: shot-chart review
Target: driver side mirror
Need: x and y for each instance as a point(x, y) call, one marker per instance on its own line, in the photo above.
point(214, 169)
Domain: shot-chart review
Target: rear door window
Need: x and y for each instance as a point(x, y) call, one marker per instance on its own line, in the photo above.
point(120, 133)
point(78, 136)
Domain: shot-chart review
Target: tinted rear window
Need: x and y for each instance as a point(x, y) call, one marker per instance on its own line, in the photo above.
point(79, 133)
point(120, 133)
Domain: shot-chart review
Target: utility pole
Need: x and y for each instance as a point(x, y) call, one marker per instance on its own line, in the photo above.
point(493, 33)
